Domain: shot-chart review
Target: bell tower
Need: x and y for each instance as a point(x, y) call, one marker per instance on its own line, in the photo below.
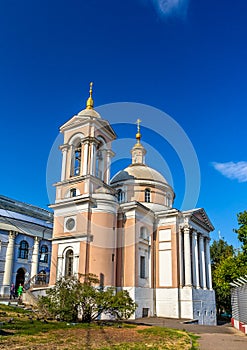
point(85, 206)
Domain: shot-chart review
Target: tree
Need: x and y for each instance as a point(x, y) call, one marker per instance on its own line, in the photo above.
point(120, 305)
point(242, 230)
point(227, 265)
point(220, 249)
point(71, 299)
point(61, 301)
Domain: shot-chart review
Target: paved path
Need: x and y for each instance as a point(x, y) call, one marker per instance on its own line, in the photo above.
point(223, 337)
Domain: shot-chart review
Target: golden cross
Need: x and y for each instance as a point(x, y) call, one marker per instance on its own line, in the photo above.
point(138, 124)
point(91, 88)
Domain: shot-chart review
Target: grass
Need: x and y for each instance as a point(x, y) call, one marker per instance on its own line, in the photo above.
point(20, 329)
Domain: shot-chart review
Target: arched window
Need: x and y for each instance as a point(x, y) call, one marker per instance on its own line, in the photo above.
point(23, 250)
point(76, 161)
point(147, 195)
point(100, 155)
point(99, 162)
point(120, 196)
point(69, 259)
point(44, 254)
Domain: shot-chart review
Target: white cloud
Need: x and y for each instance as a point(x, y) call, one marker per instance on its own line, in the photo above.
point(233, 171)
point(171, 7)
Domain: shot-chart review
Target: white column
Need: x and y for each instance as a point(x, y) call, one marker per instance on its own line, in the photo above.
point(109, 155)
point(85, 158)
point(202, 262)
point(64, 149)
point(35, 257)
point(187, 257)
point(93, 159)
point(76, 265)
point(59, 267)
point(195, 264)
point(181, 256)
point(9, 258)
point(208, 264)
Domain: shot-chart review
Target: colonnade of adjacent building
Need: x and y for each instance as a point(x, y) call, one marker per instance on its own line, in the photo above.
point(9, 259)
point(195, 265)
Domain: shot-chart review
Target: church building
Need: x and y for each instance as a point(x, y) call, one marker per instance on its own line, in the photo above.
point(125, 229)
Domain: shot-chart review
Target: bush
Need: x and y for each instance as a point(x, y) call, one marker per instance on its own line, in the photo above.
point(71, 299)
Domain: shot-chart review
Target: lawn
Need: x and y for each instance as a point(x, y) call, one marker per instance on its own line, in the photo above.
point(20, 329)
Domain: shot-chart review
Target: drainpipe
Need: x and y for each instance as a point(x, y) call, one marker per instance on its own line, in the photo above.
point(154, 269)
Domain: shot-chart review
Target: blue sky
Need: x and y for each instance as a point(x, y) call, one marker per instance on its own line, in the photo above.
point(186, 58)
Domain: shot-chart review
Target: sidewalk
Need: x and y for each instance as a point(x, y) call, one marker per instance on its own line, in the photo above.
point(223, 337)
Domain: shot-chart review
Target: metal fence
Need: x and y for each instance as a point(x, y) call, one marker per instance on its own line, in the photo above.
point(239, 299)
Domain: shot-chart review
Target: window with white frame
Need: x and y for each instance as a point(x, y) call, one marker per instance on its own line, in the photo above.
point(142, 267)
point(147, 195)
point(120, 196)
point(69, 261)
point(44, 254)
point(76, 162)
point(23, 250)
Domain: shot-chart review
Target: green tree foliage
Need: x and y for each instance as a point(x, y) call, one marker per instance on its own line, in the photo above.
point(220, 249)
point(242, 230)
point(71, 299)
point(227, 265)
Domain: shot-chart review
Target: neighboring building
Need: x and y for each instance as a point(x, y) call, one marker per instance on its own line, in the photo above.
point(25, 244)
point(239, 303)
point(125, 230)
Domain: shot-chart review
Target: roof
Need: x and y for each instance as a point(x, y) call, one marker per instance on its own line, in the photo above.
point(26, 209)
point(199, 216)
point(138, 172)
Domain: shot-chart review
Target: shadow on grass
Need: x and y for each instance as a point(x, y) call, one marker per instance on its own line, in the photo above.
point(4, 333)
point(88, 339)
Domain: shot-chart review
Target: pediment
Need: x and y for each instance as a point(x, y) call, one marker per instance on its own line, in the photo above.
point(200, 217)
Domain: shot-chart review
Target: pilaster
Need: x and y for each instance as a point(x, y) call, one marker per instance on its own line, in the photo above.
point(64, 149)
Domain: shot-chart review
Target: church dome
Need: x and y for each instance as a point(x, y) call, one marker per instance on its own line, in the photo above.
point(139, 172)
point(140, 183)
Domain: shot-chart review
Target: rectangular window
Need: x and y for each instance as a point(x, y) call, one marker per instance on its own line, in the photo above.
point(145, 311)
point(142, 267)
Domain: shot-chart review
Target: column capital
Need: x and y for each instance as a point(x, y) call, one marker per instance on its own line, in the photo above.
point(186, 228)
point(90, 139)
point(12, 234)
point(37, 239)
point(194, 233)
point(110, 153)
point(64, 148)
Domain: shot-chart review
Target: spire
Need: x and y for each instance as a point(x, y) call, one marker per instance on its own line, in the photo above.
point(90, 99)
point(138, 151)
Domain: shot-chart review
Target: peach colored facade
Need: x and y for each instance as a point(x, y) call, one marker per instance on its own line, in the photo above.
point(125, 229)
